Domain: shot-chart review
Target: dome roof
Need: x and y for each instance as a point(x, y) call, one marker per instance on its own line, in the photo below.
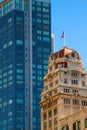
point(65, 52)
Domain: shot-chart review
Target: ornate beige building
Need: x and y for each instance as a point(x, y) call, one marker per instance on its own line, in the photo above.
point(64, 97)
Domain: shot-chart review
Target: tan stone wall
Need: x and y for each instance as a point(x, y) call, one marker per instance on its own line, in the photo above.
point(69, 120)
point(64, 82)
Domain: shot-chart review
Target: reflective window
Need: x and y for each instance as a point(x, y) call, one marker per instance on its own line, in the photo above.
point(19, 42)
point(7, 7)
point(10, 101)
point(20, 101)
point(18, 4)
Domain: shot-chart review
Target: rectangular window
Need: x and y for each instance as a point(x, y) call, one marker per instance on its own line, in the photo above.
point(50, 114)
point(83, 83)
point(4, 123)
point(5, 46)
point(10, 120)
point(39, 9)
point(38, 20)
point(18, 4)
point(38, 14)
point(19, 71)
point(75, 74)
point(75, 82)
point(9, 72)
point(19, 19)
point(75, 102)
point(10, 113)
point(45, 10)
point(20, 120)
point(19, 82)
point(55, 121)
point(19, 42)
point(19, 101)
point(26, 5)
point(10, 20)
point(7, 7)
point(10, 83)
point(50, 104)
point(0, 105)
point(9, 43)
point(45, 4)
point(38, 3)
point(9, 101)
point(5, 74)
point(84, 103)
point(4, 104)
point(20, 77)
point(50, 123)
point(45, 116)
point(66, 100)
point(46, 33)
point(9, 78)
point(66, 90)
point(55, 111)
point(5, 85)
point(0, 11)
point(46, 21)
point(46, 39)
point(10, 66)
point(65, 81)
point(45, 125)
point(38, 31)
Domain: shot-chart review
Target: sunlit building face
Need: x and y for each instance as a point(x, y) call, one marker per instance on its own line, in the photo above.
point(64, 97)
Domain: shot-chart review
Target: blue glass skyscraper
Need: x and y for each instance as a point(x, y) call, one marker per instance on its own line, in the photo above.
point(25, 45)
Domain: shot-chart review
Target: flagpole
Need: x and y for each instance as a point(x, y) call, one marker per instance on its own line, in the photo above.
point(63, 36)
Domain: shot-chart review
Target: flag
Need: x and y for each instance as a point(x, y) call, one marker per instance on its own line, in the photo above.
point(62, 36)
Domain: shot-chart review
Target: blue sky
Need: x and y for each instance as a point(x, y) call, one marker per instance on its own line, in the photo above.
point(71, 16)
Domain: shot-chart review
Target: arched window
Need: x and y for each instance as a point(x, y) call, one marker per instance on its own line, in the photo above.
point(86, 123)
point(77, 125)
point(74, 126)
point(65, 127)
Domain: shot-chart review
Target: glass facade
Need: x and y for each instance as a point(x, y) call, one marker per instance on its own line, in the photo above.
point(41, 49)
point(25, 46)
point(12, 68)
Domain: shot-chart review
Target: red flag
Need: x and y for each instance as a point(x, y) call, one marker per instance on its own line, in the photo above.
point(62, 36)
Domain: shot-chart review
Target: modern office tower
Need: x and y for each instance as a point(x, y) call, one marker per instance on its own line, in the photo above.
point(25, 45)
point(64, 97)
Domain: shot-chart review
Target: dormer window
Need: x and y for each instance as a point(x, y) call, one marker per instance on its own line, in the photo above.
point(73, 55)
point(61, 65)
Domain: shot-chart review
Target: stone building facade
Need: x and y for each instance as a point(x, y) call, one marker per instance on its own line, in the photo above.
point(64, 97)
